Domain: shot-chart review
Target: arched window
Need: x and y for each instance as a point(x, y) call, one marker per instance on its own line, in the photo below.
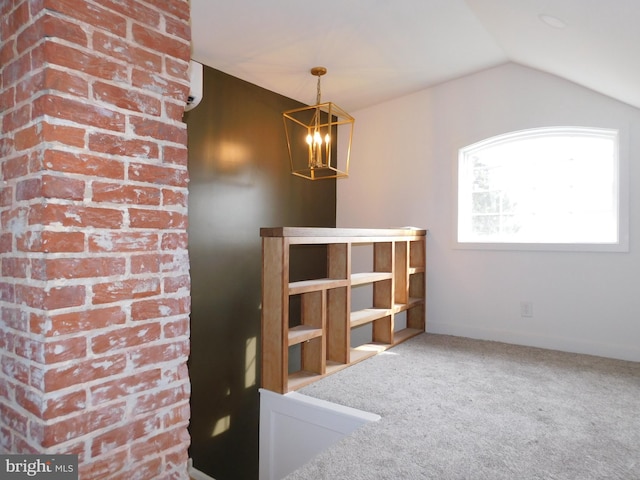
point(544, 186)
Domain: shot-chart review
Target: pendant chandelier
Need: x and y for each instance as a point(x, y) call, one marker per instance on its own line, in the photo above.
point(319, 138)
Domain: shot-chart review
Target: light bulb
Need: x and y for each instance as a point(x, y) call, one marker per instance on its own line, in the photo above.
point(317, 138)
point(327, 138)
point(309, 139)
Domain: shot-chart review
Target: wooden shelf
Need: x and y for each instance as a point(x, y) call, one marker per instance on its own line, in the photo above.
point(413, 302)
point(369, 277)
point(311, 235)
point(302, 333)
point(368, 315)
point(302, 378)
point(405, 334)
point(367, 350)
point(306, 286)
point(326, 320)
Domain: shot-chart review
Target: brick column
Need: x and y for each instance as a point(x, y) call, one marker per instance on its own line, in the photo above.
point(94, 286)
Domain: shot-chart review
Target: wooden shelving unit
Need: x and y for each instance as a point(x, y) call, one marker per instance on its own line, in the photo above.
point(326, 317)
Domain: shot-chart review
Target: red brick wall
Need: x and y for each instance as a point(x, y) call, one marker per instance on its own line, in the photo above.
point(94, 286)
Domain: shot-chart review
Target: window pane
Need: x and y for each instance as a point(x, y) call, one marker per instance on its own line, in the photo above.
point(553, 185)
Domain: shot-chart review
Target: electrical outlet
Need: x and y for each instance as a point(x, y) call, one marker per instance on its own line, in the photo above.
point(526, 309)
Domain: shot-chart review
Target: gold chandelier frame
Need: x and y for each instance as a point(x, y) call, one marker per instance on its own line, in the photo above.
point(315, 151)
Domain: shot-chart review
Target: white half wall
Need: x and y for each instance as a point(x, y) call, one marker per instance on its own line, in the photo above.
point(402, 173)
point(294, 428)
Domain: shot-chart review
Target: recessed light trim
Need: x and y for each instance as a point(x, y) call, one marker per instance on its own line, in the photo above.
point(552, 21)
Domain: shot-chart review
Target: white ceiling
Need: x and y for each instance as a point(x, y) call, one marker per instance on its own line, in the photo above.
point(376, 50)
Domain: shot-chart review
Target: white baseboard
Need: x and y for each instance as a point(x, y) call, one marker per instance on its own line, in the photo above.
point(600, 349)
point(196, 474)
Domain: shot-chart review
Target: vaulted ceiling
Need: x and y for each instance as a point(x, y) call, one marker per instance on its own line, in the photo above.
point(376, 50)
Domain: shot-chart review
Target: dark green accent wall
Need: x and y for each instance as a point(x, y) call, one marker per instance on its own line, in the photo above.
point(240, 181)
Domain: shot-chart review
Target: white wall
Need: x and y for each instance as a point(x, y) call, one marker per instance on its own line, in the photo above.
point(401, 174)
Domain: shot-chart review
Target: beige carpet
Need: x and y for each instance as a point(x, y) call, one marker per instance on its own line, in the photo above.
point(454, 408)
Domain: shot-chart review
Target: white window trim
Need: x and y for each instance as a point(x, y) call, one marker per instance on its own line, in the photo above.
point(622, 245)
